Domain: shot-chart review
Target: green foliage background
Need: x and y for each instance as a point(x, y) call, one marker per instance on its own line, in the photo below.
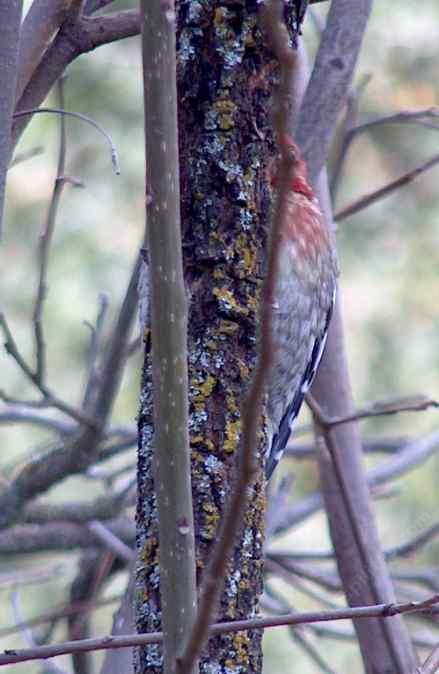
point(389, 257)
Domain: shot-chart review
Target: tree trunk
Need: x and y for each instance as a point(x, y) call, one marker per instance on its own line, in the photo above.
point(224, 82)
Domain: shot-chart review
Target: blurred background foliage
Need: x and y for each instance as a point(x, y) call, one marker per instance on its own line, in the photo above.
point(389, 258)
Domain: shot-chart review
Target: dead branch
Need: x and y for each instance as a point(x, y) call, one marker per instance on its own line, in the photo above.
point(372, 197)
point(385, 611)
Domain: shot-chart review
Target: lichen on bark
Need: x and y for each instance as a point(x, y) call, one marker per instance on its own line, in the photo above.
point(225, 78)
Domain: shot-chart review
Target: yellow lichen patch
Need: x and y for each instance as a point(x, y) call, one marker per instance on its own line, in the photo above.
point(212, 345)
point(243, 370)
point(232, 405)
point(228, 327)
point(244, 584)
point(219, 16)
point(253, 302)
point(207, 386)
point(218, 273)
point(150, 551)
point(247, 253)
point(228, 301)
point(232, 435)
point(205, 442)
point(225, 109)
point(211, 519)
point(240, 644)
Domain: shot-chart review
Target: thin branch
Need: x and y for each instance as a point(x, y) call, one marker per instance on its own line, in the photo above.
point(300, 636)
point(371, 445)
point(431, 665)
point(82, 450)
point(49, 398)
point(40, 24)
point(376, 195)
point(352, 132)
point(377, 409)
point(387, 646)
point(19, 413)
point(63, 611)
point(330, 80)
point(213, 578)
point(24, 539)
point(344, 135)
point(12, 656)
point(83, 118)
point(44, 247)
point(10, 12)
point(74, 38)
point(105, 507)
point(94, 350)
point(414, 544)
point(112, 542)
point(402, 550)
point(410, 455)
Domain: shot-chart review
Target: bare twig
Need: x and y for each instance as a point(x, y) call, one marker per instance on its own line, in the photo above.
point(84, 118)
point(26, 539)
point(300, 636)
point(172, 473)
point(412, 454)
point(12, 656)
point(431, 665)
point(402, 550)
point(92, 380)
point(49, 398)
point(105, 507)
point(73, 608)
point(411, 546)
point(44, 247)
point(82, 450)
point(376, 195)
point(421, 117)
point(111, 541)
point(344, 135)
point(371, 445)
point(377, 409)
point(19, 413)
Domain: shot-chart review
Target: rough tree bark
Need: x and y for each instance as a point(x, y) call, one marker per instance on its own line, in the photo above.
point(224, 81)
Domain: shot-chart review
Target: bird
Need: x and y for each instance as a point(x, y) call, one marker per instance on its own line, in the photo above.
point(303, 302)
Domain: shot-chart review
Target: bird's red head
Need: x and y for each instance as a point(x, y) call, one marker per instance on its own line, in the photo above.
point(292, 152)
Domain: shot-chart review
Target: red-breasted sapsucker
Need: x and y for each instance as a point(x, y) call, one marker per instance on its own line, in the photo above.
point(304, 299)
